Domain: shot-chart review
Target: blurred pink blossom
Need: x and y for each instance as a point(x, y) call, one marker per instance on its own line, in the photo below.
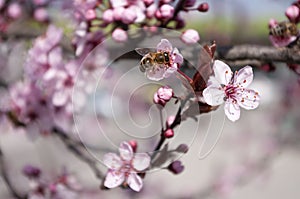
point(119, 35)
point(41, 14)
point(293, 13)
point(224, 86)
point(14, 10)
point(124, 168)
point(167, 11)
point(190, 36)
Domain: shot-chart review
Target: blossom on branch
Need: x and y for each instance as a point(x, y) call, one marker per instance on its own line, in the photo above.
point(163, 95)
point(125, 168)
point(231, 88)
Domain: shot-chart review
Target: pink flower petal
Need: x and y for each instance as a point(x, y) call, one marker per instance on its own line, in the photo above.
point(141, 161)
point(281, 41)
point(248, 99)
point(60, 97)
point(222, 72)
point(135, 182)
point(177, 57)
point(126, 151)
point(232, 110)
point(164, 45)
point(244, 77)
point(114, 179)
point(112, 161)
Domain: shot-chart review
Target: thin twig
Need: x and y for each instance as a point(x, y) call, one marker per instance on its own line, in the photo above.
point(79, 153)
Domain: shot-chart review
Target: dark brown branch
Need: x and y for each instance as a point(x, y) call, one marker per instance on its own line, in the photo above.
point(5, 177)
point(258, 53)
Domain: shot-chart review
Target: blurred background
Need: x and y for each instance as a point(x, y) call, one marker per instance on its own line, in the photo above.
point(255, 157)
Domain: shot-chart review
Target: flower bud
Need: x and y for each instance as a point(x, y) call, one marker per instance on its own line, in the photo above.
point(118, 13)
point(293, 13)
point(203, 7)
point(90, 14)
point(190, 36)
point(133, 145)
point(14, 10)
point(108, 16)
point(166, 11)
point(129, 16)
point(31, 171)
point(182, 148)
point(41, 14)
point(169, 133)
point(163, 95)
point(119, 35)
point(176, 167)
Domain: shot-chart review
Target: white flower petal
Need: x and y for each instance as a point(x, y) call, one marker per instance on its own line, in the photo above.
point(244, 77)
point(134, 182)
point(126, 151)
point(114, 179)
point(177, 57)
point(232, 110)
point(141, 161)
point(112, 161)
point(156, 74)
point(60, 97)
point(222, 72)
point(213, 95)
point(248, 99)
point(164, 45)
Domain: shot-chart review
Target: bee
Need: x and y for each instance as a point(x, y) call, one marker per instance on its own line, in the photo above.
point(284, 29)
point(153, 60)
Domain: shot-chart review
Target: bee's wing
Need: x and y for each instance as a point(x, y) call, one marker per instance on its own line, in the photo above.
point(144, 51)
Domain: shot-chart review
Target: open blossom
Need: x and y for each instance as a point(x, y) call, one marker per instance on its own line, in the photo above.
point(124, 168)
point(161, 71)
point(190, 36)
point(231, 88)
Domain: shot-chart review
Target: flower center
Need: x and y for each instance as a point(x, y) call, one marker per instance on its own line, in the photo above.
point(230, 91)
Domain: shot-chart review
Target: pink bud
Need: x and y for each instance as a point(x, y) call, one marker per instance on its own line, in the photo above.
point(31, 171)
point(182, 148)
point(180, 23)
point(203, 7)
point(166, 11)
point(170, 120)
point(158, 14)
point(176, 167)
point(90, 14)
point(293, 13)
point(41, 14)
point(133, 145)
point(108, 16)
point(190, 36)
point(14, 10)
point(118, 13)
point(129, 16)
point(119, 35)
point(169, 133)
point(163, 95)
point(150, 11)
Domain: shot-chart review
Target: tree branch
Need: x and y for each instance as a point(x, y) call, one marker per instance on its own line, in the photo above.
point(258, 53)
point(73, 147)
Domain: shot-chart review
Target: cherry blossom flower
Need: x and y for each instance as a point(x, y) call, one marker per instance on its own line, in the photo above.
point(231, 88)
point(163, 95)
point(160, 72)
point(124, 168)
point(119, 35)
point(280, 41)
point(190, 36)
point(293, 13)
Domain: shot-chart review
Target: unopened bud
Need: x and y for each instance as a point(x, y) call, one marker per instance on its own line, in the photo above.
point(182, 148)
point(169, 133)
point(31, 171)
point(203, 7)
point(133, 145)
point(176, 167)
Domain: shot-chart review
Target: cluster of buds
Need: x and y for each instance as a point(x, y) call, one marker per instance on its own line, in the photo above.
point(14, 10)
point(62, 186)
